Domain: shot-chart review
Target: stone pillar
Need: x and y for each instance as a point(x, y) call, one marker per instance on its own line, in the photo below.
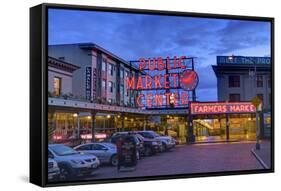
point(93, 116)
point(227, 126)
point(190, 138)
point(123, 121)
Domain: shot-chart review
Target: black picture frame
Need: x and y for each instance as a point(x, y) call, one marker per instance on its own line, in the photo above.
point(39, 92)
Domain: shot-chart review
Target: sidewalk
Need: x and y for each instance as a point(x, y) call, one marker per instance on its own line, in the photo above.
point(264, 154)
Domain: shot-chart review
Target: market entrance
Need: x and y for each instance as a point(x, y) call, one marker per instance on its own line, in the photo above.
point(220, 121)
point(210, 128)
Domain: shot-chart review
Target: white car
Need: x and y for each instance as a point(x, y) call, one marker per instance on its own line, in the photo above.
point(106, 152)
point(53, 170)
point(71, 162)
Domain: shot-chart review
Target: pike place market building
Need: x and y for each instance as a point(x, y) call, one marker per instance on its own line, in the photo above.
point(93, 93)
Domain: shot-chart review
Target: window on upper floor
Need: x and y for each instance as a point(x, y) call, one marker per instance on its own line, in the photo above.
point(103, 84)
point(110, 69)
point(259, 81)
point(234, 81)
point(110, 86)
point(57, 86)
point(103, 65)
point(234, 97)
point(121, 73)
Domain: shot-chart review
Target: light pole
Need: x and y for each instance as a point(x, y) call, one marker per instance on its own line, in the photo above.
point(255, 99)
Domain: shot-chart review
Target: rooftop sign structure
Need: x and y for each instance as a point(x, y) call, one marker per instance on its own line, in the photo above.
point(243, 60)
point(163, 74)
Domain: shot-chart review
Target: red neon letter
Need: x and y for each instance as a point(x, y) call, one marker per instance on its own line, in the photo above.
point(180, 62)
point(175, 62)
point(161, 65)
point(142, 64)
point(175, 79)
point(157, 83)
point(148, 100)
point(184, 98)
point(130, 82)
point(148, 82)
point(168, 63)
point(166, 81)
point(168, 94)
point(139, 84)
point(151, 66)
point(158, 99)
point(139, 103)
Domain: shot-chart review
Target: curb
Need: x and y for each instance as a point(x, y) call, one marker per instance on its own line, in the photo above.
point(224, 141)
point(259, 159)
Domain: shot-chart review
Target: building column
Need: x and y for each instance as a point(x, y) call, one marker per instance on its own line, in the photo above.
point(144, 123)
point(227, 126)
point(123, 121)
point(51, 125)
point(93, 116)
point(190, 138)
point(78, 126)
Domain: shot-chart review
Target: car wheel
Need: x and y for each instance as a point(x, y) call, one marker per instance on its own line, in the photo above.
point(147, 151)
point(165, 147)
point(114, 160)
point(65, 173)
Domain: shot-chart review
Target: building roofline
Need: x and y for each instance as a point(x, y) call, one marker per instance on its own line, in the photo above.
point(240, 67)
point(61, 64)
point(91, 45)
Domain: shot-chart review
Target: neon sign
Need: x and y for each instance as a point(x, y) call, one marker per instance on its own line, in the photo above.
point(186, 80)
point(222, 107)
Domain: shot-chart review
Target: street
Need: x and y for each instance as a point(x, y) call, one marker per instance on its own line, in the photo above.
point(187, 159)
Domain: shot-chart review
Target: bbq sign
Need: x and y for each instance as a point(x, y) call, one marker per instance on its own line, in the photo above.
point(222, 107)
point(163, 74)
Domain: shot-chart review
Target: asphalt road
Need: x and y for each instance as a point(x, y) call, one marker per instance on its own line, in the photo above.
point(187, 159)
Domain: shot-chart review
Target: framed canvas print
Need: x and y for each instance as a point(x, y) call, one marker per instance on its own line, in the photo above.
point(121, 95)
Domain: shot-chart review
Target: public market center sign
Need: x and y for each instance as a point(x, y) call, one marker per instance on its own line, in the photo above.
point(162, 77)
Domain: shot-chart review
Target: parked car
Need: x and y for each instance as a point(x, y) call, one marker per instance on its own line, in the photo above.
point(71, 162)
point(167, 141)
point(151, 146)
point(139, 145)
point(53, 170)
point(106, 152)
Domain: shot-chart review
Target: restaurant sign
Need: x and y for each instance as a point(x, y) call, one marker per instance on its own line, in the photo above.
point(221, 107)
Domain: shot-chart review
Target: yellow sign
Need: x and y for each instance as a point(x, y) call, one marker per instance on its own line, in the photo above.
point(256, 101)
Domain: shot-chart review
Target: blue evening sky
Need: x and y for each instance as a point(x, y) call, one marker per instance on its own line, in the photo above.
point(132, 36)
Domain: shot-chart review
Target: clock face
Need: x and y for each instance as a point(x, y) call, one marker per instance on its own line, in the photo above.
point(188, 80)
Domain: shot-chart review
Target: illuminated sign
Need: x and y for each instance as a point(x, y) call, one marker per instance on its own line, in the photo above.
point(88, 82)
point(188, 80)
point(221, 107)
point(183, 78)
point(243, 60)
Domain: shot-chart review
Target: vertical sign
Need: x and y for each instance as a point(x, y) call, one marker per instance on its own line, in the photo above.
point(94, 84)
point(88, 82)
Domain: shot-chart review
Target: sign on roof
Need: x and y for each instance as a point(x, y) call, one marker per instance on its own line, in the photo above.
point(243, 60)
